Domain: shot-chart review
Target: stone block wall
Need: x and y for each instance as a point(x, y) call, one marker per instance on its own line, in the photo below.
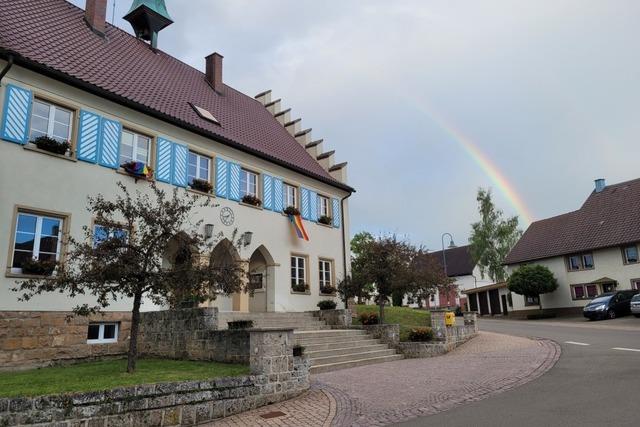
point(337, 319)
point(30, 339)
point(388, 334)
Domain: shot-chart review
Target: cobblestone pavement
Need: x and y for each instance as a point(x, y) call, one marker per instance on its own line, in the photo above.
point(391, 392)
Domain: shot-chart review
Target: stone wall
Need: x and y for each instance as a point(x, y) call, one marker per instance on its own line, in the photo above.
point(167, 404)
point(388, 334)
point(30, 339)
point(337, 319)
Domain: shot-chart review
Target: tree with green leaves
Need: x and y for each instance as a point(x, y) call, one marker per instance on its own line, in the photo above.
point(129, 259)
point(492, 238)
point(426, 276)
point(532, 280)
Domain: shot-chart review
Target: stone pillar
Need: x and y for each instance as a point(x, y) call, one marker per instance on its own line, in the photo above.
point(271, 351)
point(471, 319)
point(337, 319)
point(438, 325)
point(241, 299)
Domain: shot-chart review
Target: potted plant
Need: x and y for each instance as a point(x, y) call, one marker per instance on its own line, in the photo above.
point(52, 145)
point(300, 287)
point(328, 290)
point(37, 267)
point(251, 200)
point(327, 304)
point(138, 170)
point(421, 334)
point(201, 185)
point(291, 210)
point(326, 220)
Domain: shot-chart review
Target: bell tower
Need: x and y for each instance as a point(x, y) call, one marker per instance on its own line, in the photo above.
point(148, 18)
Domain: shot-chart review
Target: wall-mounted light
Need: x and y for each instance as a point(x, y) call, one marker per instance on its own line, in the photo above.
point(208, 231)
point(246, 238)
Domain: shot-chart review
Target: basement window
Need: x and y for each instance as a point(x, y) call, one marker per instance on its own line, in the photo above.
point(204, 114)
point(102, 333)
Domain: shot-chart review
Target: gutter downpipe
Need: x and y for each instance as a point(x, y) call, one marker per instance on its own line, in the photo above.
point(344, 239)
point(6, 69)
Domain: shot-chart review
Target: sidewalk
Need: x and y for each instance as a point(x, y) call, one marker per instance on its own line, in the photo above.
point(387, 393)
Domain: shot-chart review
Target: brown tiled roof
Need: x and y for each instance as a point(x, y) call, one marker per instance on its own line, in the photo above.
point(606, 219)
point(51, 37)
point(459, 261)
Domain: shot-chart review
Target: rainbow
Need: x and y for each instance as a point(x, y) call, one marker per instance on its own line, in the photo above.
point(481, 159)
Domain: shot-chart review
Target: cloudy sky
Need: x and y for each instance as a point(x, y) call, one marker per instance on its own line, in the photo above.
point(412, 92)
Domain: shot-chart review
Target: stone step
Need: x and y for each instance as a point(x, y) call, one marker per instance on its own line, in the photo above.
point(353, 363)
point(344, 350)
point(356, 354)
point(339, 344)
point(330, 339)
point(330, 333)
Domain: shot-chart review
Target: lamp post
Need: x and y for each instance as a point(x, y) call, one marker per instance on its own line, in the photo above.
point(444, 259)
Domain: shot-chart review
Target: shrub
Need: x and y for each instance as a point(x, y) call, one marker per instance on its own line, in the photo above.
point(201, 185)
point(368, 318)
point(298, 350)
point(52, 145)
point(329, 290)
point(291, 210)
point(251, 200)
point(300, 287)
point(420, 335)
point(240, 324)
point(37, 267)
point(327, 305)
point(326, 220)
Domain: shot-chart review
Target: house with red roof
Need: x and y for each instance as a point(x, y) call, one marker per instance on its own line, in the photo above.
point(591, 251)
point(125, 106)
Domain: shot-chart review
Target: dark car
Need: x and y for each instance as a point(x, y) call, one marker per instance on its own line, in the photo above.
point(609, 305)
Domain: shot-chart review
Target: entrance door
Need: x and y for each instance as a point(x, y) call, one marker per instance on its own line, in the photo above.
point(473, 302)
point(494, 300)
point(505, 310)
point(484, 306)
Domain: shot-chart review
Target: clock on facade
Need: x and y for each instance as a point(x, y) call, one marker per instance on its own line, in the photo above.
point(226, 216)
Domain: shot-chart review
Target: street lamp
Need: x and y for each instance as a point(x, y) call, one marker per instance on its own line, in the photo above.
point(246, 238)
point(444, 254)
point(208, 231)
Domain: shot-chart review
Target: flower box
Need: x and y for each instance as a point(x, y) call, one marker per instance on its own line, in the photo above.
point(302, 287)
point(328, 290)
point(291, 210)
point(36, 267)
point(138, 170)
point(201, 185)
point(326, 220)
point(251, 200)
point(52, 145)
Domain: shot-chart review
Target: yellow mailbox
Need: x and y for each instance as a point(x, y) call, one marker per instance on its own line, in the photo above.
point(449, 318)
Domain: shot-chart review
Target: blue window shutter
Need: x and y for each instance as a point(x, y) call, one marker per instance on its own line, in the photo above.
point(304, 203)
point(180, 159)
point(16, 114)
point(164, 161)
point(267, 192)
point(313, 206)
point(111, 132)
point(337, 221)
point(89, 137)
point(234, 181)
point(222, 178)
point(278, 195)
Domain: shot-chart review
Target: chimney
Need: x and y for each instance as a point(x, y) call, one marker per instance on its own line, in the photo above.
point(600, 184)
point(214, 71)
point(95, 13)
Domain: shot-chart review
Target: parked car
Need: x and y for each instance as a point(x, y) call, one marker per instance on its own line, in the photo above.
point(609, 305)
point(635, 305)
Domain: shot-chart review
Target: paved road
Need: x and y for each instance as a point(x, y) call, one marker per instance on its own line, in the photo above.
point(593, 383)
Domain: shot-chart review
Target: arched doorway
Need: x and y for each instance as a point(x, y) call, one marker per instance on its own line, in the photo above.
point(179, 253)
point(261, 281)
point(226, 255)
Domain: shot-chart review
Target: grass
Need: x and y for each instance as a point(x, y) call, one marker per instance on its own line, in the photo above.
point(95, 376)
point(407, 318)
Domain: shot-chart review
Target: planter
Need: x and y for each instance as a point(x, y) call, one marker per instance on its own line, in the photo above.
point(201, 185)
point(290, 210)
point(36, 267)
point(302, 288)
point(138, 170)
point(326, 220)
point(251, 200)
point(51, 145)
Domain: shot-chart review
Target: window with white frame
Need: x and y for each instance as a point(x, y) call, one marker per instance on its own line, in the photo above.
point(103, 233)
point(50, 120)
point(298, 270)
point(290, 196)
point(325, 271)
point(134, 147)
point(37, 237)
point(630, 254)
point(323, 206)
point(248, 183)
point(199, 167)
point(531, 300)
point(580, 262)
point(102, 333)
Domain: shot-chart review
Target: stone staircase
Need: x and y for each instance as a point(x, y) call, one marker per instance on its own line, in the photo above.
point(301, 321)
point(330, 350)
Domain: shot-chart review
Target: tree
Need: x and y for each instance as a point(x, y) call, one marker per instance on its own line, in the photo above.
point(426, 276)
point(384, 261)
point(356, 286)
point(532, 281)
point(127, 261)
point(492, 238)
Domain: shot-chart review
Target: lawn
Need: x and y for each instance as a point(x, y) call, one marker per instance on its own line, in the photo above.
point(407, 318)
point(94, 376)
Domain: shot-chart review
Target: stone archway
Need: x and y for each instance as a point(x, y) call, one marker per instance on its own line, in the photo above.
point(262, 280)
point(225, 254)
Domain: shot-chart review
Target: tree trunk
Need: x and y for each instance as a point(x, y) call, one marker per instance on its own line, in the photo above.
point(381, 315)
point(540, 303)
point(132, 356)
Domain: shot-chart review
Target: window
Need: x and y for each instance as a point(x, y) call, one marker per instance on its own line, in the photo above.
point(37, 237)
point(248, 183)
point(102, 333)
point(580, 262)
point(608, 287)
point(50, 120)
point(323, 206)
point(199, 167)
point(255, 281)
point(134, 147)
point(290, 196)
point(635, 284)
point(531, 300)
point(298, 270)
point(630, 254)
point(587, 291)
point(325, 270)
point(102, 233)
